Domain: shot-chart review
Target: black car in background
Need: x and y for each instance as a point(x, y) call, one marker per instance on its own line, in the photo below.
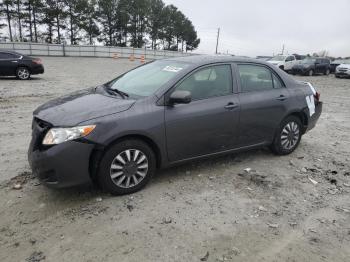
point(311, 66)
point(21, 66)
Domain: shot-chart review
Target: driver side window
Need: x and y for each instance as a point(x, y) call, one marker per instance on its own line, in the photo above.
point(208, 82)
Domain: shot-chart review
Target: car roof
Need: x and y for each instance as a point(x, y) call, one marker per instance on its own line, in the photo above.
point(211, 59)
point(10, 52)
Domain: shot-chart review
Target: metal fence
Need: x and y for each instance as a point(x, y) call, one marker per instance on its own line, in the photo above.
point(40, 49)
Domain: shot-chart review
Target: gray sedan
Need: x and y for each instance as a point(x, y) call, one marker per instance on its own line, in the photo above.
point(167, 112)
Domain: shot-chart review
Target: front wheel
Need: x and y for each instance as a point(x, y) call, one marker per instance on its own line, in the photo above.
point(288, 136)
point(311, 72)
point(126, 167)
point(327, 72)
point(22, 73)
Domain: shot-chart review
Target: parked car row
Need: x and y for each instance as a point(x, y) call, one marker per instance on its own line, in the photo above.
point(23, 66)
point(301, 65)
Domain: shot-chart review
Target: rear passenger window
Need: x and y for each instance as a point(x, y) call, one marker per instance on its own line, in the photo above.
point(255, 78)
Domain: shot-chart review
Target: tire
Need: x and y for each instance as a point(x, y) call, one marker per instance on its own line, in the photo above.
point(337, 76)
point(120, 178)
point(23, 73)
point(327, 72)
point(285, 142)
point(311, 72)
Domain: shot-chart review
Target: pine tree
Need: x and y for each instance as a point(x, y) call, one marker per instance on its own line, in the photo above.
point(89, 20)
point(107, 16)
point(114, 22)
point(8, 10)
point(155, 21)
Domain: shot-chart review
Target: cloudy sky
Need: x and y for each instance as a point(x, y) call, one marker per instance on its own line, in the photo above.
point(261, 27)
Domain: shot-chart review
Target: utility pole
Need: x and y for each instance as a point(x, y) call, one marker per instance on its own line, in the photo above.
point(217, 41)
point(282, 49)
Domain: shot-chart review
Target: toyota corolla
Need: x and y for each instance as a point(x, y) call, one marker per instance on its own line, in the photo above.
point(167, 112)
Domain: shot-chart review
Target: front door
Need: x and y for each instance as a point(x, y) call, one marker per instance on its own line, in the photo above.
point(209, 123)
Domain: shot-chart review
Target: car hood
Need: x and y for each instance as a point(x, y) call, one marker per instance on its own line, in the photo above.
point(347, 66)
point(72, 109)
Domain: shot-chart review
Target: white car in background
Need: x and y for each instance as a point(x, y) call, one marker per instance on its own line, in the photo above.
point(343, 70)
point(285, 62)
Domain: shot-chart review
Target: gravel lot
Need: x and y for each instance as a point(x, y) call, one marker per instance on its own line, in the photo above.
point(203, 211)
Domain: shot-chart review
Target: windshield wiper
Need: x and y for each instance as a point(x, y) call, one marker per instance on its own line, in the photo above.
point(116, 91)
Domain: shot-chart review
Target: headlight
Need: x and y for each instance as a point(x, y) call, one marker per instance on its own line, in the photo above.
point(59, 135)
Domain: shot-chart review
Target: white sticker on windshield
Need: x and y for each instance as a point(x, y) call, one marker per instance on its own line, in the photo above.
point(172, 69)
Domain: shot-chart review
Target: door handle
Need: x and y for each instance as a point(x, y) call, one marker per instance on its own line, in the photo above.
point(230, 106)
point(14, 61)
point(282, 98)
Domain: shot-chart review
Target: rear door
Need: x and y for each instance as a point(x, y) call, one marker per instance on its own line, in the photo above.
point(209, 123)
point(8, 63)
point(264, 103)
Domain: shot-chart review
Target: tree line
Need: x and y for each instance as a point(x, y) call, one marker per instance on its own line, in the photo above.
point(135, 23)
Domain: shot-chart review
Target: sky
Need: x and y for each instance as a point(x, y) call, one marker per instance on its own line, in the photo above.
point(261, 27)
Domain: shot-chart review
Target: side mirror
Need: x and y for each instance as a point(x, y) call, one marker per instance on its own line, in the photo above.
point(180, 97)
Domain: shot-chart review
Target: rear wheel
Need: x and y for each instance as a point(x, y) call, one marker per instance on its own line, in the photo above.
point(288, 136)
point(126, 167)
point(23, 73)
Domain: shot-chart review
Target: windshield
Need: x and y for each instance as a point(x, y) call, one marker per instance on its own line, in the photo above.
point(308, 61)
point(278, 58)
point(338, 62)
point(145, 80)
point(345, 62)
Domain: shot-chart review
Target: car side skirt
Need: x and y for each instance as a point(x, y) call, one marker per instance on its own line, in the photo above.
point(234, 150)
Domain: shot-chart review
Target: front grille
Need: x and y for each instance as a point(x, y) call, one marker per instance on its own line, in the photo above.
point(342, 69)
point(39, 129)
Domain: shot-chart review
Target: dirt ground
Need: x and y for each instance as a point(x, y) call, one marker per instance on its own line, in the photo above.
point(210, 210)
